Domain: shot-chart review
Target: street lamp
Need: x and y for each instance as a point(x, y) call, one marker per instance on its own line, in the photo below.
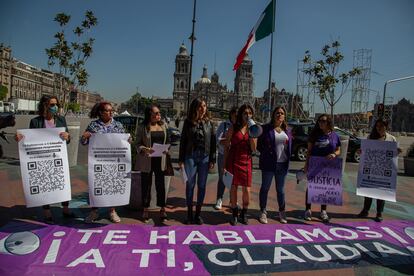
point(390, 81)
point(192, 38)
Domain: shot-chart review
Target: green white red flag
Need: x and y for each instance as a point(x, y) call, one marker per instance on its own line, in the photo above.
point(264, 27)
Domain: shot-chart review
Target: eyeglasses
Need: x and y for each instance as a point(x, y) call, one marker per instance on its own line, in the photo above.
point(108, 110)
point(279, 113)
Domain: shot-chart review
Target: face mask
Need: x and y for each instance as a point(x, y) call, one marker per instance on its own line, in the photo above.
point(53, 109)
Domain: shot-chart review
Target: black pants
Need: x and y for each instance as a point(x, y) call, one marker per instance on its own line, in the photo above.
point(308, 205)
point(146, 183)
point(368, 202)
point(47, 207)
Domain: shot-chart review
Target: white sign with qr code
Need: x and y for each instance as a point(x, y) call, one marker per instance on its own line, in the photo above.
point(377, 174)
point(44, 166)
point(109, 169)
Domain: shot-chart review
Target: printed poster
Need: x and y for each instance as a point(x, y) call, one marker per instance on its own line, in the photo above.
point(109, 169)
point(44, 166)
point(325, 181)
point(377, 174)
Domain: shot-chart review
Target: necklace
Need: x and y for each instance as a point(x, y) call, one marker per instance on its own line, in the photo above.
point(278, 129)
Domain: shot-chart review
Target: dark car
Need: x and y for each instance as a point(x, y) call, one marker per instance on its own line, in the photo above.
point(130, 124)
point(301, 131)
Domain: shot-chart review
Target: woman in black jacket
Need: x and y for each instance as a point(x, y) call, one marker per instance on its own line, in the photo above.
point(48, 108)
point(197, 155)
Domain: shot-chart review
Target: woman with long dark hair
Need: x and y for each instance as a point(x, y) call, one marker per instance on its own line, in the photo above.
point(47, 110)
point(323, 141)
point(238, 160)
point(197, 154)
point(152, 130)
point(104, 123)
point(274, 146)
point(378, 132)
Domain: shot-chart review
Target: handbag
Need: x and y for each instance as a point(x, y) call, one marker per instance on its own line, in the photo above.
point(169, 170)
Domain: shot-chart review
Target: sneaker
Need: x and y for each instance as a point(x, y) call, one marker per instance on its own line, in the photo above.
point(308, 215)
point(93, 215)
point(113, 216)
point(324, 216)
point(263, 218)
point(282, 217)
point(219, 204)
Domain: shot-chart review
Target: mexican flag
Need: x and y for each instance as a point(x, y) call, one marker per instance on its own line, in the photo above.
point(263, 28)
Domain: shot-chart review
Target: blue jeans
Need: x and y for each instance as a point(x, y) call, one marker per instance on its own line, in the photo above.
point(220, 183)
point(267, 177)
point(196, 165)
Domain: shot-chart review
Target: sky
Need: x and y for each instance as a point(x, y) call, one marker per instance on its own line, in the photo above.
point(137, 41)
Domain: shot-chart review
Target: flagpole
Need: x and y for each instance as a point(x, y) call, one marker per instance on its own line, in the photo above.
point(270, 61)
point(192, 38)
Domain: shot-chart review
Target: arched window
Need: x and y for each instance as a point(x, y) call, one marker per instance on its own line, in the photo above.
point(182, 84)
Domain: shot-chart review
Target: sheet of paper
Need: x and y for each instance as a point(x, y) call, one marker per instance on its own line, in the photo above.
point(44, 166)
point(227, 179)
point(159, 149)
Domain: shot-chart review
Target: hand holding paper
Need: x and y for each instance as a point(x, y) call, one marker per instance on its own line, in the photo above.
point(159, 149)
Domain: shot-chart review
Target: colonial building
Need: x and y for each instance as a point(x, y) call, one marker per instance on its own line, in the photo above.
point(181, 77)
point(243, 82)
point(25, 81)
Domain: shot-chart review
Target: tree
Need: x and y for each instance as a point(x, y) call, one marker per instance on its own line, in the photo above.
point(3, 92)
point(71, 56)
point(326, 75)
point(75, 107)
point(137, 103)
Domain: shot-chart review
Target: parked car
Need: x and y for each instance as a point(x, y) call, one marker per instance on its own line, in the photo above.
point(130, 124)
point(301, 133)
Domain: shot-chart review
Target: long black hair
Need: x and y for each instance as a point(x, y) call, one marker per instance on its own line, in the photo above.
point(193, 112)
point(284, 125)
point(239, 120)
point(147, 115)
point(374, 133)
point(317, 131)
point(43, 105)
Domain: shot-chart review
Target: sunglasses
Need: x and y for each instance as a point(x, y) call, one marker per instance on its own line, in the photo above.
point(52, 104)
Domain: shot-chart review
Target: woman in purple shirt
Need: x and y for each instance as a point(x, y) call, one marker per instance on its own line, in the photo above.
point(323, 141)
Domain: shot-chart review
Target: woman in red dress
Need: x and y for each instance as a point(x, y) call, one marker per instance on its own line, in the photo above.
point(238, 159)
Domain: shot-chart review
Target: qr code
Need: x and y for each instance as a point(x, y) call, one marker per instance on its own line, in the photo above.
point(46, 176)
point(378, 162)
point(110, 179)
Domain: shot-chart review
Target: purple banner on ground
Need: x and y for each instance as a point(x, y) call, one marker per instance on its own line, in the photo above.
point(325, 181)
point(32, 249)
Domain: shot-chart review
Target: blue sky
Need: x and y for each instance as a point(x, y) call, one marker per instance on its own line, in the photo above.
point(136, 41)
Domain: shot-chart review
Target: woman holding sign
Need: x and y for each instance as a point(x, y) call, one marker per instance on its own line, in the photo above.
point(104, 124)
point(323, 141)
point(274, 146)
point(152, 130)
point(48, 108)
point(378, 132)
point(238, 160)
point(197, 155)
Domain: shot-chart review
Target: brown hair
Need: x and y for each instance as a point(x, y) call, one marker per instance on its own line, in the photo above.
point(193, 111)
point(97, 109)
point(43, 104)
point(374, 133)
point(284, 125)
point(317, 131)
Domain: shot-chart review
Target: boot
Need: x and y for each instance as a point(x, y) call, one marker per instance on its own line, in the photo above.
point(243, 217)
point(189, 215)
point(197, 219)
point(235, 215)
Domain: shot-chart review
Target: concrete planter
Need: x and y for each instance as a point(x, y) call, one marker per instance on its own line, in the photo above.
point(409, 166)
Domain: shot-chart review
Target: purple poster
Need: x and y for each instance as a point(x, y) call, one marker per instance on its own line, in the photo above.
point(325, 181)
point(33, 249)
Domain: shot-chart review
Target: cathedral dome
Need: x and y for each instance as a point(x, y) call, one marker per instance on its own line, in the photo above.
point(204, 78)
point(183, 50)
